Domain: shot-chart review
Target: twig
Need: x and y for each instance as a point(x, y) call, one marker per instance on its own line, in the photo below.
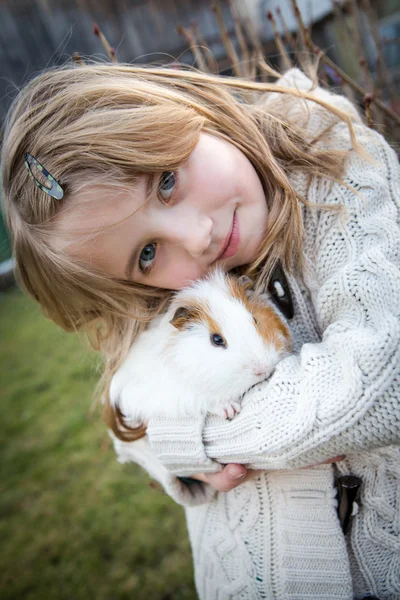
point(77, 59)
point(253, 66)
point(368, 112)
point(110, 51)
point(358, 39)
point(374, 91)
point(240, 37)
point(366, 76)
point(251, 32)
point(191, 40)
point(325, 59)
point(230, 50)
point(303, 32)
point(287, 63)
point(383, 74)
point(210, 60)
point(265, 67)
point(291, 42)
point(343, 33)
point(356, 86)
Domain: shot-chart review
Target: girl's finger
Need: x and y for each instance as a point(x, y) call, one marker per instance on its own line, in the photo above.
point(230, 477)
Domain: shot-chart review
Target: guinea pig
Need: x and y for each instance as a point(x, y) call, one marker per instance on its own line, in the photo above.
point(215, 341)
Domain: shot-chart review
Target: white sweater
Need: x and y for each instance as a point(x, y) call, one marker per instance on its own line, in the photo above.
point(277, 536)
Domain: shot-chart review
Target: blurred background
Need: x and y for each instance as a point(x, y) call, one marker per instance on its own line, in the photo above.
point(74, 523)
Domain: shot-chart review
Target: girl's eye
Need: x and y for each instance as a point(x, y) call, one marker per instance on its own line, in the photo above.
point(166, 186)
point(146, 257)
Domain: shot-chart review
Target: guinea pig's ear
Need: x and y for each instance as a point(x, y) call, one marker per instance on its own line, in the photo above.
point(184, 316)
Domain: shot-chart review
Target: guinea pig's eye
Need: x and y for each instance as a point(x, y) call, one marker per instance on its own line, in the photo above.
point(255, 320)
point(217, 340)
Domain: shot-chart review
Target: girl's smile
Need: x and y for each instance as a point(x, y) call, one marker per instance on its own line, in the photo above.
point(233, 240)
point(170, 229)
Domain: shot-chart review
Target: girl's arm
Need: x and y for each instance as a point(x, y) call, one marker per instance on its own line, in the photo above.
point(339, 395)
point(185, 493)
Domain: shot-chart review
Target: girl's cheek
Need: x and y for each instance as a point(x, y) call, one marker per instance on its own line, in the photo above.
point(180, 277)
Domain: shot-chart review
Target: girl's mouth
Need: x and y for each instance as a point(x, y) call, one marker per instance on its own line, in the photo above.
point(233, 241)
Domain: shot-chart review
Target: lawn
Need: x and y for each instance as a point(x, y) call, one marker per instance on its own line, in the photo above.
point(74, 523)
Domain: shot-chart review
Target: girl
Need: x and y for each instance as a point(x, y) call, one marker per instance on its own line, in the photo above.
point(144, 179)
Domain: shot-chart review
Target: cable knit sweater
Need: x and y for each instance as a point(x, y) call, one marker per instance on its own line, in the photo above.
point(277, 536)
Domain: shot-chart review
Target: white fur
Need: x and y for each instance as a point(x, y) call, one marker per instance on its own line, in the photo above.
point(173, 372)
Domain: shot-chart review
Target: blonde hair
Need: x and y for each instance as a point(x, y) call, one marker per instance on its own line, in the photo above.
point(82, 122)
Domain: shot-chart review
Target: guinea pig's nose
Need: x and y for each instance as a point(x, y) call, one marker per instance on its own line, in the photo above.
point(262, 371)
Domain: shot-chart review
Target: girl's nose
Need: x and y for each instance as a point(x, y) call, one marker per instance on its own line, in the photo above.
point(195, 235)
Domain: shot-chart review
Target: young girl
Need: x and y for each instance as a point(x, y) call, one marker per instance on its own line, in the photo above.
point(124, 183)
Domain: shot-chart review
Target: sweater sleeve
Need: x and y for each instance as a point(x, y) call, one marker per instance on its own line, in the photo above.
point(139, 452)
point(343, 393)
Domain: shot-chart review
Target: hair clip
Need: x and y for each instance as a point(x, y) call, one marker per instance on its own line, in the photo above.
point(53, 189)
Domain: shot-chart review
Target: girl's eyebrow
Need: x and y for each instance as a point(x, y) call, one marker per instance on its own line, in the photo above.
point(134, 255)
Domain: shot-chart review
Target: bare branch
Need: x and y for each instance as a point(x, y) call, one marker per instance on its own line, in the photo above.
point(194, 47)
point(286, 62)
point(230, 50)
point(110, 51)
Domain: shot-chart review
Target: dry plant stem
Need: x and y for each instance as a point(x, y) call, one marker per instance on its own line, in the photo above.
point(303, 35)
point(303, 31)
point(210, 60)
point(194, 47)
point(77, 59)
point(389, 112)
point(290, 40)
point(357, 30)
point(373, 25)
point(253, 66)
point(265, 67)
point(368, 112)
point(240, 37)
point(356, 86)
point(230, 50)
point(309, 14)
point(250, 31)
point(286, 62)
point(367, 80)
point(343, 30)
point(110, 51)
point(383, 74)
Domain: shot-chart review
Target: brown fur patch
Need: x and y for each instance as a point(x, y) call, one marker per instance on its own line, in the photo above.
point(115, 420)
point(270, 326)
point(268, 323)
point(194, 312)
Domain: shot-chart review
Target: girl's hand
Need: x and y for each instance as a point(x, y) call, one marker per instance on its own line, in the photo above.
point(233, 475)
point(226, 480)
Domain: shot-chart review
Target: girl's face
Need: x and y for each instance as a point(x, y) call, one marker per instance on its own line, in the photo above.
point(212, 210)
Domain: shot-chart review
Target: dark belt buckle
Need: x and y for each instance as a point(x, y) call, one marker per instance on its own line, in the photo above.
point(348, 489)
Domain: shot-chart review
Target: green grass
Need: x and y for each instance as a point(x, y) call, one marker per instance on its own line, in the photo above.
point(74, 523)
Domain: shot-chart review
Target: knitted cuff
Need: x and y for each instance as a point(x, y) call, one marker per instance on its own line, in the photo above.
point(191, 493)
point(178, 444)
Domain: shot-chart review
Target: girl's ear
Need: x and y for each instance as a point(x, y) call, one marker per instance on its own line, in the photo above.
point(184, 317)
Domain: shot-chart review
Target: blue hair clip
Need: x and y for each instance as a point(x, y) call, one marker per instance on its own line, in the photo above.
point(53, 188)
